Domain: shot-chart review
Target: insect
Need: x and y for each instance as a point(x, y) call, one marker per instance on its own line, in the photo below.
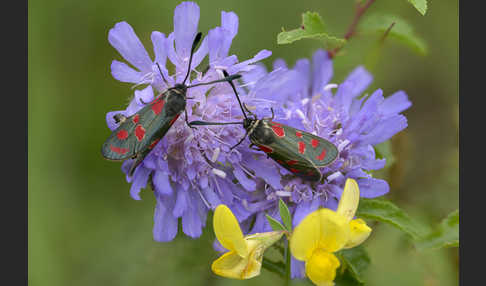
point(138, 134)
point(300, 152)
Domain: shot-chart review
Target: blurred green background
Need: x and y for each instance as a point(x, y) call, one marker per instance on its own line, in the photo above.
point(84, 229)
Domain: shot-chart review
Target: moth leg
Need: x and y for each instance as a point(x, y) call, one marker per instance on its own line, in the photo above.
point(273, 113)
point(119, 118)
point(187, 121)
point(241, 141)
point(254, 148)
point(137, 160)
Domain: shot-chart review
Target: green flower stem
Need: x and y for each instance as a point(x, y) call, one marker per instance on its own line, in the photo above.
point(287, 264)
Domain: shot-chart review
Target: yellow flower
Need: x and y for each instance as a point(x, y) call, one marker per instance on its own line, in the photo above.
point(244, 258)
point(325, 231)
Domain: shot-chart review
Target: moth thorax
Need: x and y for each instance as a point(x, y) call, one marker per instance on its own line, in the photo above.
point(262, 133)
point(176, 102)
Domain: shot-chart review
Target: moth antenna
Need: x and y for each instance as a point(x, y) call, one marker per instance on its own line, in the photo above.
point(194, 44)
point(236, 93)
point(229, 78)
point(161, 74)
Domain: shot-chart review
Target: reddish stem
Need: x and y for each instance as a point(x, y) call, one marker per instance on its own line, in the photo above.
point(360, 10)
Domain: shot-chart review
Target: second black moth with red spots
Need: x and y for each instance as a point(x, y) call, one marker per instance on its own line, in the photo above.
point(138, 134)
point(300, 152)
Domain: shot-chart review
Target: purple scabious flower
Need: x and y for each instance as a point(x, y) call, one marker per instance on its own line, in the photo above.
point(339, 113)
point(190, 170)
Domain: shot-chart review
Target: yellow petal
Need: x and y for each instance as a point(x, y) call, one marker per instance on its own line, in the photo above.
point(321, 267)
point(348, 204)
point(322, 228)
point(232, 265)
point(359, 233)
point(228, 231)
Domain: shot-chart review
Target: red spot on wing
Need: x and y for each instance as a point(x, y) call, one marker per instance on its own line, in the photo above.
point(265, 149)
point(157, 106)
point(298, 134)
point(136, 119)
point(310, 173)
point(122, 134)
point(139, 132)
point(323, 154)
point(174, 119)
point(292, 162)
point(276, 123)
point(152, 145)
point(278, 130)
point(294, 170)
point(280, 162)
point(301, 147)
point(118, 150)
point(314, 143)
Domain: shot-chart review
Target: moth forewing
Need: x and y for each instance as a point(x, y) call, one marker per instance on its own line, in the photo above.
point(318, 150)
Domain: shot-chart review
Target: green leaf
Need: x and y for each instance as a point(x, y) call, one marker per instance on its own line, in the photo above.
point(275, 224)
point(312, 28)
point(357, 261)
point(285, 215)
point(420, 5)
point(386, 211)
point(446, 234)
point(401, 31)
point(384, 151)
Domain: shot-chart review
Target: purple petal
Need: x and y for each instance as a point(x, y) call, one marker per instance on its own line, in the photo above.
point(372, 188)
point(229, 22)
point(134, 106)
point(125, 41)
point(395, 103)
point(243, 66)
point(322, 71)
point(297, 268)
point(279, 64)
point(110, 121)
point(181, 204)
point(277, 85)
point(140, 177)
point(211, 197)
point(243, 179)
point(194, 217)
point(199, 55)
point(215, 42)
point(303, 209)
point(145, 95)
point(165, 224)
point(162, 183)
point(160, 47)
point(265, 169)
point(255, 74)
point(122, 72)
point(186, 19)
point(302, 67)
point(360, 78)
point(385, 129)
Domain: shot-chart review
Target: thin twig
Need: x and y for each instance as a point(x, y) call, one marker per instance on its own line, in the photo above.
point(360, 10)
point(387, 32)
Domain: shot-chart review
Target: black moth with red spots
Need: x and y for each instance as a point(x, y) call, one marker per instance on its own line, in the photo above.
point(300, 152)
point(138, 134)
